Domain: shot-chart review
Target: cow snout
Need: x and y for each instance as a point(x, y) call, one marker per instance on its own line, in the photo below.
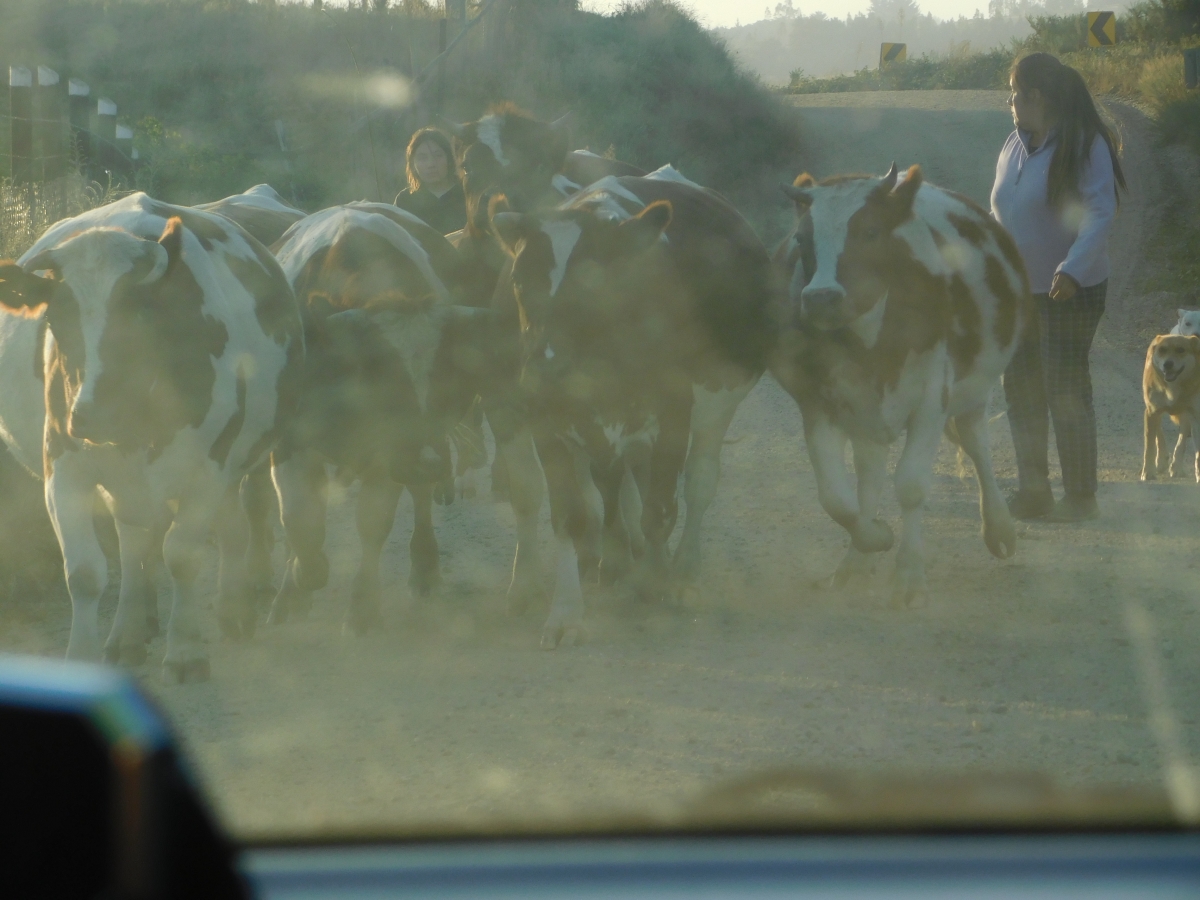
point(823, 305)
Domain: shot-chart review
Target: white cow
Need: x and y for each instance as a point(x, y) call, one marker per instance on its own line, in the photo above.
point(174, 344)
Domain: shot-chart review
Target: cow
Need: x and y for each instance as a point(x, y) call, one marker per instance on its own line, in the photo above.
point(645, 309)
point(259, 210)
point(172, 358)
point(905, 303)
point(509, 152)
point(393, 367)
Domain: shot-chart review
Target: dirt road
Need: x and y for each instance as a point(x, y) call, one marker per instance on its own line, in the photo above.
point(1075, 658)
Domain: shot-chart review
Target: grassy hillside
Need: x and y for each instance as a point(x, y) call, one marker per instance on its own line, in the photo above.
point(204, 82)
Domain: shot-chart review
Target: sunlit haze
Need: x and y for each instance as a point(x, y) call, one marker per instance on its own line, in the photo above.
point(725, 13)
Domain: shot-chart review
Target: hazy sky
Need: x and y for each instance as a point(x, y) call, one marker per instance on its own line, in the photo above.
point(718, 13)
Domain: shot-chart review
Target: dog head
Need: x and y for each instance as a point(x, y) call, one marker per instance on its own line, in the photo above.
point(1189, 322)
point(1175, 356)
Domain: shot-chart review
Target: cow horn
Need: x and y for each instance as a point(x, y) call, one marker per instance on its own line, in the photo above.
point(561, 122)
point(446, 125)
point(890, 178)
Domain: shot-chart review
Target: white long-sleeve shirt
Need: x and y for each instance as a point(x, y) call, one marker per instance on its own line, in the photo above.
point(1072, 240)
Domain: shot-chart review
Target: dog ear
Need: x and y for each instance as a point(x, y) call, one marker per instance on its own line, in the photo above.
point(1193, 344)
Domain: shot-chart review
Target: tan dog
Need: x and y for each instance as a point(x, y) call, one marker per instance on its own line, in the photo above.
point(1170, 386)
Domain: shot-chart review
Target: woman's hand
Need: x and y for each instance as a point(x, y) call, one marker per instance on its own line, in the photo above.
point(1063, 287)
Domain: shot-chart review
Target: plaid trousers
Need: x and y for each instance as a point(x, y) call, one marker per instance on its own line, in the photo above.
point(1049, 379)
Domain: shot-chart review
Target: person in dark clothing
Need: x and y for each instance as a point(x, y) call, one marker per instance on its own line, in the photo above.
point(434, 193)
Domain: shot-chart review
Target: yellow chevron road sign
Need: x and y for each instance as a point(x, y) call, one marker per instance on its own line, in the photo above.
point(892, 53)
point(1102, 29)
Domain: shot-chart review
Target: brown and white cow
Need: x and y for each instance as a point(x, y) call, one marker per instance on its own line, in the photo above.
point(905, 303)
point(392, 367)
point(174, 348)
point(644, 306)
point(259, 210)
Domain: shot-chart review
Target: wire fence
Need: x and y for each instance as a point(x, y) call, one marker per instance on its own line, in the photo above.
point(27, 210)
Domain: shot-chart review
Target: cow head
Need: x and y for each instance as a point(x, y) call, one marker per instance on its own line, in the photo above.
point(576, 277)
point(508, 152)
point(133, 349)
point(852, 221)
point(393, 366)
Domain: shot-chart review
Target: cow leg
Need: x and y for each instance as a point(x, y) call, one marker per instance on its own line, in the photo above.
point(374, 516)
point(827, 451)
point(526, 488)
point(568, 516)
point(712, 411)
point(258, 501)
point(634, 486)
point(425, 570)
point(659, 503)
point(131, 628)
point(186, 658)
point(914, 473)
point(70, 498)
point(300, 483)
point(236, 613)
point(999, 533)
point(616, 556)
point(870, 470)
point(590, 547)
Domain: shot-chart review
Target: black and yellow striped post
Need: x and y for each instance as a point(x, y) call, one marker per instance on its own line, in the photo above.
point(1102, 29)
point(889, 53)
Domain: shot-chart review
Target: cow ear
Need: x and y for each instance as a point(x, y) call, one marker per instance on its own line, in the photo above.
point(804, 180)
point(904, 194)
point(645, 229)
point(22, 292)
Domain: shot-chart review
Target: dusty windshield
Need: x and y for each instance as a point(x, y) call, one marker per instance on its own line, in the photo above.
point(510, 416)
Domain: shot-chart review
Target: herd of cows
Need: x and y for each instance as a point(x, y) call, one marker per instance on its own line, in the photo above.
point(177, 362)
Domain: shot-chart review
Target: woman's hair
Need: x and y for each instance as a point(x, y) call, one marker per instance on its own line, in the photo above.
point(426, 134)
point(1070, 106)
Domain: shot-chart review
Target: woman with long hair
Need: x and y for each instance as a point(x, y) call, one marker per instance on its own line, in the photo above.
point(1056, 192)
point(434, 193)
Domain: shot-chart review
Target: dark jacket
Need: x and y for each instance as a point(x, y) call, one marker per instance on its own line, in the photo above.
point(446, 213)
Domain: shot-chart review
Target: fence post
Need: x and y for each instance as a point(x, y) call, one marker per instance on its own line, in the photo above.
point(20, 107)
point(48, 125)
point(124, 140)
point(106, 130)
point(78, 99)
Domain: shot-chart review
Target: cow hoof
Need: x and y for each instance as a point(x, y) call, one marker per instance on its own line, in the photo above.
point(555, 636)
point(1001, 539)
point(423, 585)
point(362, 622)
point(190, 672)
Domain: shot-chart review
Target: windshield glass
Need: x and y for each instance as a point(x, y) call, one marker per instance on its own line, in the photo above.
point(499, 417)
